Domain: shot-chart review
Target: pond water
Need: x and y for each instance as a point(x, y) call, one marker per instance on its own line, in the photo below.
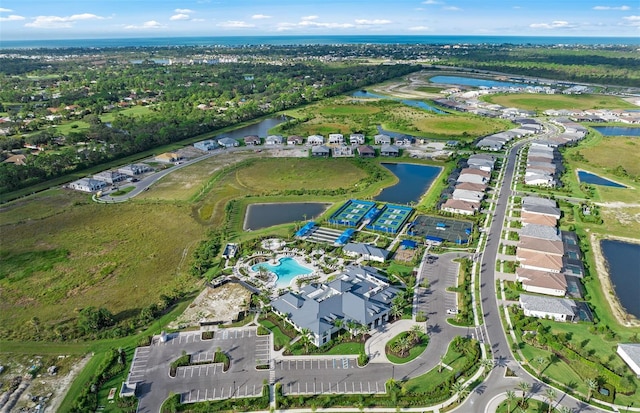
point(414, 181)
point(589, 178)
point(617, 130)
point(265, 215)
point(259, 129)
point(415, 103)
point(470, 81)
point(623, 262)
point(287, 269)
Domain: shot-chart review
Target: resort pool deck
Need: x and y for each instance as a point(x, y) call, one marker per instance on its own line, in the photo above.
point(286, 270)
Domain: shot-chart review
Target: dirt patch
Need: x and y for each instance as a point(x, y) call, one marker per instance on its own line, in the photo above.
point(52, 377)
point(221, 304)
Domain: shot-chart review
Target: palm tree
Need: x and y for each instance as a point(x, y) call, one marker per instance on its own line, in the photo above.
point(414, 333)
point(396, 310)
point(551, 396)
point(362, 329)
point(524, 386)
point(592, 385)
point(305, 338)
point(511, 396)
point(487, 364)
point(441, 364)
point(404, 344)
point(565, 409)
point(458, 388)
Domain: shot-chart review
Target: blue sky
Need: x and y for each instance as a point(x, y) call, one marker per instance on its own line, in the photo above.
point(68, 19)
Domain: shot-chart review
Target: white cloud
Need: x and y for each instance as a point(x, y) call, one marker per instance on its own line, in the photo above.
point(633, 21)
point(623, 8)
point(557, 24)
point(184, 11)
point(431, 2)
point(309, 18)
point(3, 10)
point(179, 16)
point(372, 22)
point(148, 25)
point(11, 18)
point(309, 22)
point(451, 8)
point(260, 16)
point(60, 22)
point(197, 20)
point(419, 28)
point(235, 24)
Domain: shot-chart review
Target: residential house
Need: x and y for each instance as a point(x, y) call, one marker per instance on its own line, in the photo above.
point(540, 231)
point(360, 295)
point(315, 140)
point(540, 180)
point(366, 151)
point(230, 251)
point(472, 178)
point(541, 245)
point(382, 139)
point(274, 140)
point(404, 140)
point(630, 353)
point(559, 309)
point(207, 145)
point(540, 261)
point(366, 251)
point(343, 152)
point(466, 195)
point(295, 140)
point(529, 218)
point(87, 185)
point(457, 206)
point(389, 150)
point(336, 138)
point(228, 142)
point(542, 282)
point(252, 140)
point(356, 139)
point(18, 159)
point(168, 157)
point(468, 186)
point(110, 177)
point(134, 169)
point(320, 151)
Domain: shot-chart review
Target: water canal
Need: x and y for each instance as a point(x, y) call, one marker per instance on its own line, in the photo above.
point(623, 263)
point(414, 181)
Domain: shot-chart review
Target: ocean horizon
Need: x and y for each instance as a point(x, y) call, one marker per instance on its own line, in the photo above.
point(311, 40)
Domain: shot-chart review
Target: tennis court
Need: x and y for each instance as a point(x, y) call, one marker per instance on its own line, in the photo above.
point(391, 218)
point(446, 229)
point(351, 213)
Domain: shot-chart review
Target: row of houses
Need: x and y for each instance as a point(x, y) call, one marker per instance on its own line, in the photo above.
point(103, 179)
point(497, 141)
point(550, 263)
point(597, 115)
point(544, 163)
point(471, 185)
point(364, 151)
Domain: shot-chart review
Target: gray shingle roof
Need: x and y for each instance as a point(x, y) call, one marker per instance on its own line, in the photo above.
point(534, 200)
point(540, 231)
point(366, 249)
point(548, 305)
point(632, 350)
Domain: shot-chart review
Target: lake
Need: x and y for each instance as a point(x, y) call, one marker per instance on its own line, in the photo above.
point(470, 81)
point(415, 103)
point(623, 262)
point(414, 181)
point(589, 178)
point(259, 129)
point(617, 130)
point(266, 215)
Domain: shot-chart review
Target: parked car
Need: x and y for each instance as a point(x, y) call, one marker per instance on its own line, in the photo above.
point(452, 311)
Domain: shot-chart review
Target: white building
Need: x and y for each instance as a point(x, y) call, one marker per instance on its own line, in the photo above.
point(630, 353)
point(87, 185)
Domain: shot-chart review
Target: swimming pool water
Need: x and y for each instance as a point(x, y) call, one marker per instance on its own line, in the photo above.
point(287, 269)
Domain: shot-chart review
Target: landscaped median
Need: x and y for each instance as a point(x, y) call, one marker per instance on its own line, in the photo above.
point(407, 345)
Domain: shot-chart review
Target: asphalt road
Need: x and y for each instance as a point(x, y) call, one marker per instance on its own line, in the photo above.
point(494, 335)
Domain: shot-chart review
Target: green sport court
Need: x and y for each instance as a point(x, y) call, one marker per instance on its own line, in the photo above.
point(391, 218)
point(351, 213)
point(441, 229)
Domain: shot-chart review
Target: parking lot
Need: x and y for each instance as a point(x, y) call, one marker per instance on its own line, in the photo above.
point(440, 273)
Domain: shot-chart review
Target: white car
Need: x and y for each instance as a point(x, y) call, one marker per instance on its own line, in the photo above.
point(452, 311)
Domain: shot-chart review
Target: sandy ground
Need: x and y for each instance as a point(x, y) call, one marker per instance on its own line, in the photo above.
point(219, 304)
point(617, 310)
point(407, 90)
point(63, 383)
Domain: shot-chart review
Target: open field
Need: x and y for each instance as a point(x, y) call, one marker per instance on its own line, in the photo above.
point(132, 111)
point(121, 257)
point(543, 102)
point(344, 115)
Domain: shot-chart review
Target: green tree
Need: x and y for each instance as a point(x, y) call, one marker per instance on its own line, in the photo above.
point(511, 396)
point(525, 387)
point(487, 364)
point(551, 397)
point(592, 385)
point(458, 388)
point(92, 319)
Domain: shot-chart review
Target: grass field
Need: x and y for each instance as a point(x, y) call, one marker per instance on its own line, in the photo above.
point(541, 102)
point(132, 111)
point(75, 253)
point(341, 115)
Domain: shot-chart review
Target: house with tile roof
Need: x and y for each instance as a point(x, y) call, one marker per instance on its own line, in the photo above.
point(542, 282)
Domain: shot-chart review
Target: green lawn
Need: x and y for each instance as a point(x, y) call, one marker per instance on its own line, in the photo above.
point(132, 111)
point(349, 109)
point(541, 102)
point(280, 340)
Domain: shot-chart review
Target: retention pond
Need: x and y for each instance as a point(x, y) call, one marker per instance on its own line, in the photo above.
point(266, 215)
point(623, 263)
point(414, 181)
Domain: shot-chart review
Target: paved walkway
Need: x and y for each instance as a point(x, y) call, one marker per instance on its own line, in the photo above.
point(375, 346)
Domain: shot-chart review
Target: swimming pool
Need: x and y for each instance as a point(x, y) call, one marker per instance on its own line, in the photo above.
point(287, 269)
